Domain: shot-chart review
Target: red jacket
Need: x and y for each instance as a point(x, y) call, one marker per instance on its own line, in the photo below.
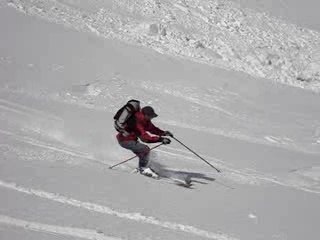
point(141, 129)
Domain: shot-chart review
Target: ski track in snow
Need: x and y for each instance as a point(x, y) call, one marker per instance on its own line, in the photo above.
point(212, 101)
point(275, 141)
point(220, 34)
point(33, 114)
point(231, 173)
point(44, 145)
point(281, 142)
point(138, 217)
point(24, 110)
point(46, 228)
point(93, 93)
point(250, 176)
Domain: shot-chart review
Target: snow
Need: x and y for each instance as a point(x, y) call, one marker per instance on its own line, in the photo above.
point(97, 208)
point(303, 13)
point(38, 227)
point(219, 33)
point(67, 66)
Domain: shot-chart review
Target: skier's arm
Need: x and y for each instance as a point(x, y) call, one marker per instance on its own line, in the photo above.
point(155, 130)
point(144, 136)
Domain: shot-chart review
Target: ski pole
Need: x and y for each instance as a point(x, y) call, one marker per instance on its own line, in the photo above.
point(197, 155)
point(133, 157)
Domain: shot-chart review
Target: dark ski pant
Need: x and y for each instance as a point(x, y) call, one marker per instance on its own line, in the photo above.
point(141, 150)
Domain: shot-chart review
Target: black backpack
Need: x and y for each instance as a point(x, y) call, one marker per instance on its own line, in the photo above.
point(124, 120)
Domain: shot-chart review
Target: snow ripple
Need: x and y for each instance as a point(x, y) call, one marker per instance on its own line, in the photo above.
point(68, 231)
point(138, 217)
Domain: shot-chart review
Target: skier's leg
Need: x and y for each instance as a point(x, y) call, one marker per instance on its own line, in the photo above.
point(141, 150)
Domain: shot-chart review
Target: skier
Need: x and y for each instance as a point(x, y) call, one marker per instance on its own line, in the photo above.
point(133, 124)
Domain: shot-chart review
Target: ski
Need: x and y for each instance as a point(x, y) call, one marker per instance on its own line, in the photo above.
point(186, 182)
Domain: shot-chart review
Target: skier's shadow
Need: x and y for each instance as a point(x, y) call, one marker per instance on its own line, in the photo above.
point(193, 176)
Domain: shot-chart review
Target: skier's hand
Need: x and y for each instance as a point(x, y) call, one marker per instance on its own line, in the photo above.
point(168, 133)
point(165, 140)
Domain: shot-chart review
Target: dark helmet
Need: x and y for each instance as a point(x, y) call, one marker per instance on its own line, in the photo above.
point(148, 111)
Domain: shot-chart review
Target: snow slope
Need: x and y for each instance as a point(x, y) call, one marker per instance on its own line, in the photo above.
point(303, 13)
point(219, 33)
point(60, 86)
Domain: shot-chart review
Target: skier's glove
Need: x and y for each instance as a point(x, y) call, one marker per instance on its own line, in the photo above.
point(165, 140)
point(168, 133)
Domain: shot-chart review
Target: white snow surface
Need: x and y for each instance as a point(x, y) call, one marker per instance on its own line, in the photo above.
point(304, 13)
point(213, 71)
point(215, 32)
